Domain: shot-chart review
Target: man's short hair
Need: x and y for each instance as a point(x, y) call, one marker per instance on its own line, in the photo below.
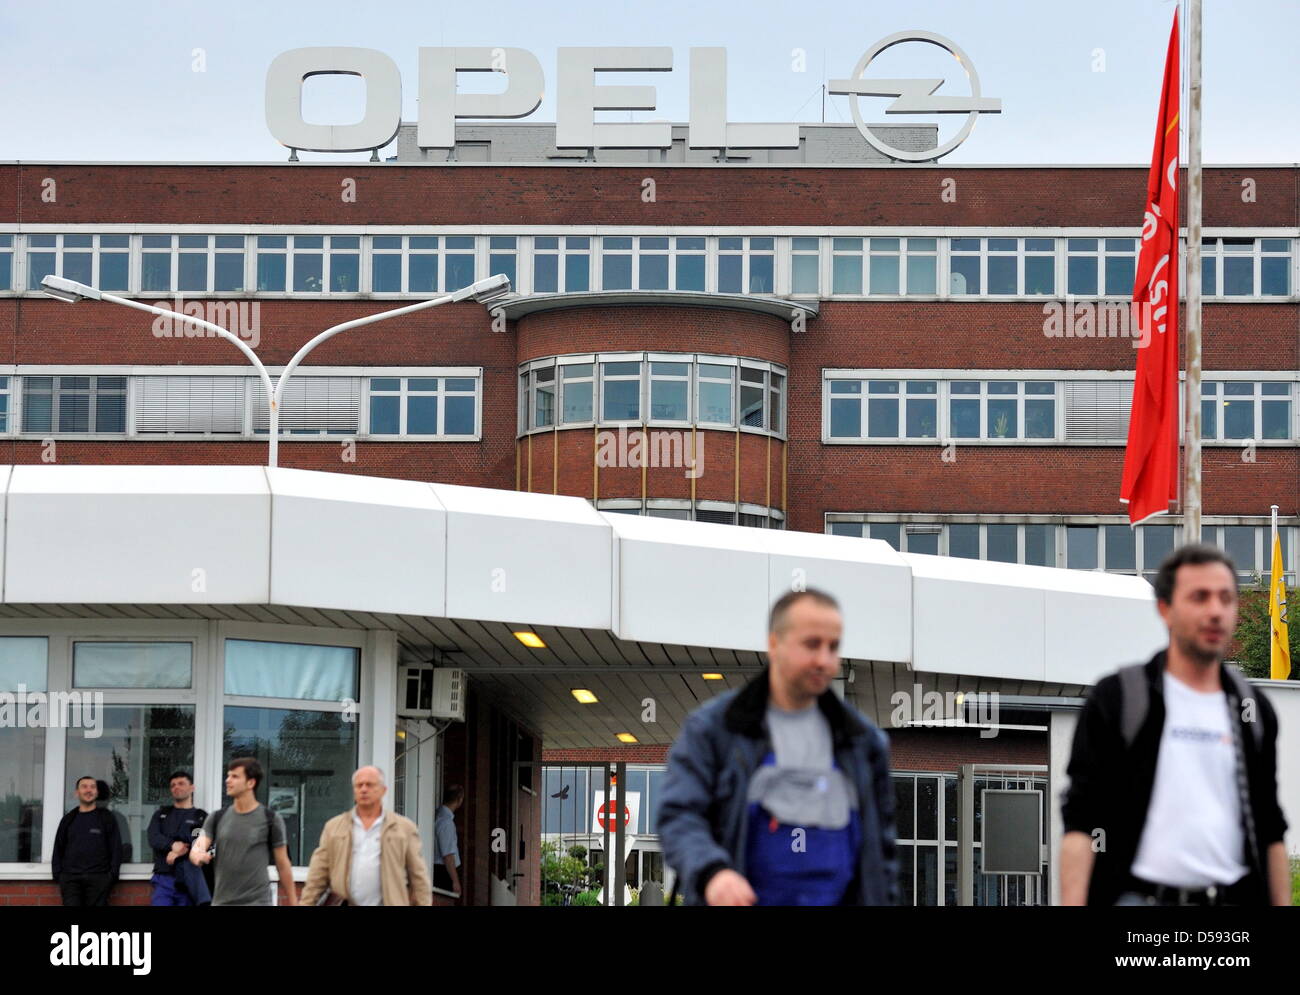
point(778, 618)
point(179, 773)
point(1193, 554)
point(86, 777)
point(251, 768)
point(453, 793)
point(382, 783)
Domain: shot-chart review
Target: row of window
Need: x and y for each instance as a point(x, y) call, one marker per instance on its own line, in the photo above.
point(663, 389)
point(812, 266)
point(1113, 548)
point(870, 410)
point(149, 723)
point(755, 516)
point(420, 407)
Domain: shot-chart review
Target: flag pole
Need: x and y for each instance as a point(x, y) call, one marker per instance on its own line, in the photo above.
point(1192, 384)
point(1273, 538)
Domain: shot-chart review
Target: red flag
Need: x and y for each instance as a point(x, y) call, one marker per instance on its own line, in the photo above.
point(1151, 458)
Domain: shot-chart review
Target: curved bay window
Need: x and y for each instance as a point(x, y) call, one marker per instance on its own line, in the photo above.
point(636, 388)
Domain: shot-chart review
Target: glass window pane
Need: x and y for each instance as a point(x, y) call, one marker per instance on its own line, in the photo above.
point(460, 269)
point(1002, 274)
point(616, 271)
point(1002, 419)
point(385, 384)
point(1238, 419)
point(110, 412)
point(1040, 275)
point(1001, 541)
point(921, 274)
point(1275, 276)
point(384, 415)
point(923, 542)
point(291, 670)
point(1238, 276)
point(23, 663)
point(715, 403)
point(922, 418)
point(138, 748)
point(546, 270)
point(1081, 547)
point(1239, 544)
point(1157, 544)
point(690, 273)
point(460, 415)
point(927, 875)
point(386, 273)
point(965, 275)
point(22, 772)
point(846, 417)
point(156, 271)
point(577, 401)
point(1081, 274)
point(192, 271)
point(668, 399)
point(1120, 274)
point(345, 273)
point(422, 272)
point(577, 273)
point(927, 808)
point(760, 273)
point(951, 809)
point(965, 418)
point(1209, 423)
point(964, 541)
point(308, 757)
point(229, 271)
point(422, 414)
point(882, 418)
point(1121, 548)
point(270, 272)
point(308, 272)
point(1040, 418)
point(888, 532)
point(904, 803)
point(622, 400)
point(846, 275)
point(884, 274)
point(1040, 549)
point(751, 403)
point(1277, 419)
point(131, 665)
point(803, 274)
point(730, 268)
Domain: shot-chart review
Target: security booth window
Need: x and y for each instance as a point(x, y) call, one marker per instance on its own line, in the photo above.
point(293, 707)
point(23, 668)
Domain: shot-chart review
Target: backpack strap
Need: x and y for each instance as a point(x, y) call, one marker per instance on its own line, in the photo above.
point(216, 821)
point(1246, 693)
point(270, 833)
point(1135, 698)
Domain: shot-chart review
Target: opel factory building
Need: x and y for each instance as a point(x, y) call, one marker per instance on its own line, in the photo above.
point(715, 377)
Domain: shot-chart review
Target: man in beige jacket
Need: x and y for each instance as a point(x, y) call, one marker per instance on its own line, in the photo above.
point(368, 856)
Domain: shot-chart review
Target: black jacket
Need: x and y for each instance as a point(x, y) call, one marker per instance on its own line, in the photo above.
point(1110, 786)
point(112, 842)
point(168, 825)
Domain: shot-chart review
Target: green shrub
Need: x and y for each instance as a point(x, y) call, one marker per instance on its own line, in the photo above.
point(587, 898)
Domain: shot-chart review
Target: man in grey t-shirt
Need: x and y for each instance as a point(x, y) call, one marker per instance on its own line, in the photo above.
point(242, 845)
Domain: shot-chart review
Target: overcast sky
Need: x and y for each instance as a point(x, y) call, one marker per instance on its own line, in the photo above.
point(1079, 82)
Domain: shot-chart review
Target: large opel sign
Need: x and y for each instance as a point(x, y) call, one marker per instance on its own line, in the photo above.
point(578, 97)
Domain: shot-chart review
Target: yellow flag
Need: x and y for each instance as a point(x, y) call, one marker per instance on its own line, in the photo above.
point(1281, 656)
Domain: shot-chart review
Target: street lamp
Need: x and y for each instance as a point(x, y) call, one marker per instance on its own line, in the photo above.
point(484, 292)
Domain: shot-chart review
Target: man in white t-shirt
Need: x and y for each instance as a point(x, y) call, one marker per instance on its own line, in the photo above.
point(1173, 788)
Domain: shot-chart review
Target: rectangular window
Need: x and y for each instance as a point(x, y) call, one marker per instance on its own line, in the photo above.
point(805, 265)
point(272, 263)
point(616, 263)
point(746, 264)
point(715, 387)
point(291, 670)
point(311, 405)
point(846, 265)
point(620, 391)
point(132, 665)
point(5, 404)
point(138, 749)
point(576, 385)
point(1240, 409)
point(6, 262)
point(459, 262)
point(1002, 409)
point(308, 756)
point(669, 389)
point(185, 405)
point(502, 258)
point(688, 263)
point(74, 404)
point(423, 406)
point(561, 264)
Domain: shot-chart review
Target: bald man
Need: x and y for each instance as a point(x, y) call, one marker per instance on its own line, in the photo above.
point(368, 856)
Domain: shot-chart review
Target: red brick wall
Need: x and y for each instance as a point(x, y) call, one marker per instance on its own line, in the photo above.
point(948, 749)
point(295, 194)
point(627, 754)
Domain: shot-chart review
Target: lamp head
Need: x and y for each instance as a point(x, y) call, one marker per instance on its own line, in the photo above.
point(485, 291)
point(71, 291)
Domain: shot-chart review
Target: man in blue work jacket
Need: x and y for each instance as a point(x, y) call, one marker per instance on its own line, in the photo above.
point(779, 793)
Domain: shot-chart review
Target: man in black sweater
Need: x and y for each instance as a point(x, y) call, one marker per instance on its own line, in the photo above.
point(87, 850)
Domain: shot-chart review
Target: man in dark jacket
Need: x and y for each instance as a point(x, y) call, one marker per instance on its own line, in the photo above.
point(171, 831)
point(779, 793)
point(1173, 776)
point(87, 850)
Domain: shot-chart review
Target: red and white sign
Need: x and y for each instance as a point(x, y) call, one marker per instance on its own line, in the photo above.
point(604, 813)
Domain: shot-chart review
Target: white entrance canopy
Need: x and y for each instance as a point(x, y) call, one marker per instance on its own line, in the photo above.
point(624, 598)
